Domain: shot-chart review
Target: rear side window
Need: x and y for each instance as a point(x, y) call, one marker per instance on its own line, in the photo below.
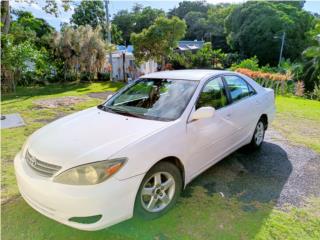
point(238, 88)
point(213, 95)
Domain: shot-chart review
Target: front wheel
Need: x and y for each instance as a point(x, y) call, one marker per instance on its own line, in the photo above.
point(159, 190)
point(258, 135)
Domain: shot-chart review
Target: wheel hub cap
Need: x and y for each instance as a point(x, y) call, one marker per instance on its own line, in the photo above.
point(158, 192)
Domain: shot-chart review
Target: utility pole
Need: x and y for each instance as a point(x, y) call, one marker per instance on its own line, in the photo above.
point(282, 44)
point(106, 4)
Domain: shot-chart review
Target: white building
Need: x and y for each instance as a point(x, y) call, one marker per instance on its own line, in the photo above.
point(123, 62)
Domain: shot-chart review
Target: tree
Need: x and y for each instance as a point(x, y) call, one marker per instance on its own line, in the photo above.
point(50, 7)
point(116, 35)
point(159, 40)
point(189, 6)
point(136, 20)
point(253, 26)
point(311, 68)
point(83, 49)
point(197, 26)
point(89, 13)
point(215, 25)
point(28, 28)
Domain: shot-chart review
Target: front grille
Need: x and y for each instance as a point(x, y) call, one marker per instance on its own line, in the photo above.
point(43, 168)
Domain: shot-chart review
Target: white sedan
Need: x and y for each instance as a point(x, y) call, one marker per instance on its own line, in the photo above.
point(135, 153)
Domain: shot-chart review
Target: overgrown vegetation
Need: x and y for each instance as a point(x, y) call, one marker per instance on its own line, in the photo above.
point(249, 34)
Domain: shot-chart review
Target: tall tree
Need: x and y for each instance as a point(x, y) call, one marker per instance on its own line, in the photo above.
point(136, 20)
point(159, 40)
point(50, 7)
point(189, 6)
point(197, 27)
point(83, 49)
point(89, 13)
point(252, 29)
point(216, 17)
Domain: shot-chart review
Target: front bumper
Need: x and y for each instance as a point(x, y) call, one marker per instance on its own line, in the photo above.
point(113, 199)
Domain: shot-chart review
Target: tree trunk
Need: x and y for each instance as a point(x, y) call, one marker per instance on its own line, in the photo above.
point(163, 63)
point(5, 16)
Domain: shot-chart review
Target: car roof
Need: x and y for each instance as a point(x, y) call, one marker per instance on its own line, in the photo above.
point(192, 74)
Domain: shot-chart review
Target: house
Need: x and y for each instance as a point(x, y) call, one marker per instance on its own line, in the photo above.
point(189, 45)
point(123, 62)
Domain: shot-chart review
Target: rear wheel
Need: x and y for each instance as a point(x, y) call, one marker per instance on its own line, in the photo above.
point(258, 135)
point(159, 191)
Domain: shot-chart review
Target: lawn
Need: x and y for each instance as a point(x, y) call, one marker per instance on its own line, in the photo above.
point(223, 218)
point(298, 120)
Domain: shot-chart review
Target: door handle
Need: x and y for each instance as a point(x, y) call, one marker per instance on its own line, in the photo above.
point(228, 115)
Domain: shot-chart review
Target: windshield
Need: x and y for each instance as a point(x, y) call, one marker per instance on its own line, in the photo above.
point(158, 99)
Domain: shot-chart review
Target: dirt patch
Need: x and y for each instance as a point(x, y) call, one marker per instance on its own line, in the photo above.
point(100, 95)
point(60, 102)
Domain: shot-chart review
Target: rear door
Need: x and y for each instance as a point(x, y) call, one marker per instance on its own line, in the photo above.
point(243, 110)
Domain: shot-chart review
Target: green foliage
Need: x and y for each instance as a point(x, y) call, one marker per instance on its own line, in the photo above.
point(116, 35)
point(311, 67)
point(197, 25)
point(316, 93)
point(135, 21)
point(186, 7)
point(206, 57)
point(250, 63)
point(253, 26)
point(215, 21)
point(159, 40)
point(204, 21)
point(29, 28)
point(83, 50)
point(89, 13)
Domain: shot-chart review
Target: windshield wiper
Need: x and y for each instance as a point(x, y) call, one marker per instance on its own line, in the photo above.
point(125, 112)
point(119, 111)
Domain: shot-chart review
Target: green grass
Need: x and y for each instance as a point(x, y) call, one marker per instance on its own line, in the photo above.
point(198, 216)
point(299, 120)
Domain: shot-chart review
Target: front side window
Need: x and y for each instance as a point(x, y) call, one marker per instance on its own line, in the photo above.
point(238, 88)
point(158, 99)
point(213, 95)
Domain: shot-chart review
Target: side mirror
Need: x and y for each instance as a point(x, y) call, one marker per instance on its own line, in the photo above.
point(203, 112)
point(109, 96)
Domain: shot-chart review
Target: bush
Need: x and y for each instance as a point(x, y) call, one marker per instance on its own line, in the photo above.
point(231, 58)
point(70, 77)
point(250, 63)
point(316, 93)
point(86, 77)
point(103, 76)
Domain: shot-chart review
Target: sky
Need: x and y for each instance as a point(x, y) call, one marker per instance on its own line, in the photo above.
point(116, 5)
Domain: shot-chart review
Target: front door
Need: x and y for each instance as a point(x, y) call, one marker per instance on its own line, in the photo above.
point(208, 138)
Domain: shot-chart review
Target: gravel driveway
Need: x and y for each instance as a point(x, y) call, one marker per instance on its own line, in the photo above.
point(279, 172)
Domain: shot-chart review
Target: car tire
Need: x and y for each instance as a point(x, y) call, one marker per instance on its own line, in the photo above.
point(158, 191)
point(258, 135)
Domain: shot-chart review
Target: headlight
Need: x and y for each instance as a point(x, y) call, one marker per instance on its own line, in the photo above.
point(92, 173)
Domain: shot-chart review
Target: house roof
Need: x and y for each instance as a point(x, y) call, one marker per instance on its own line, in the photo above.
point(192, 74)
point(182, 45)
point(190, 45)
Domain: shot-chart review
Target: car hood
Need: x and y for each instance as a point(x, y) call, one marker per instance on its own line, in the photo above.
point(88, 136)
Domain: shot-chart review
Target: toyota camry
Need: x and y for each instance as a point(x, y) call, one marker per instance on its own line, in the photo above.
point(135, 153)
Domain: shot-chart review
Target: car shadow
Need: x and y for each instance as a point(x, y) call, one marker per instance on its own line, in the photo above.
point(248, 175)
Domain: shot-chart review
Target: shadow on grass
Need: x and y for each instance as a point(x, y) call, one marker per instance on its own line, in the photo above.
point(23, 93)
point(231, 200)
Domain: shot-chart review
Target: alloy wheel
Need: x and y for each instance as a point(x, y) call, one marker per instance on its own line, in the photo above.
point(158, 191)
